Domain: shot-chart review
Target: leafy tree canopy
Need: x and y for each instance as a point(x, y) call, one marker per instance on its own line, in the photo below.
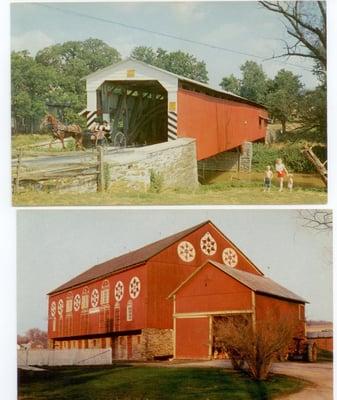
point(78, 57)
point(254, 83)
point(178, 62)
point(53, 77)
point(231, 84)
point(283, 99)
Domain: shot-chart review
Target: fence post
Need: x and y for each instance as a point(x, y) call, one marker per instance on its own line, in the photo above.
point(17, 180)
point(100, 169)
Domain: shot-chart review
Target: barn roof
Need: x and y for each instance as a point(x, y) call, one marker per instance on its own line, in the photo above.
point(230, 95)
point(127, 260)
point(257, 283)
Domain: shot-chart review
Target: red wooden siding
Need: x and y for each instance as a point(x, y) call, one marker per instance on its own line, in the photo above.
point(170, 255)
point(218, 124)
point(166, 271)
point(163, 277)
point(100, 319)
point(211, 290)
point(267, 307)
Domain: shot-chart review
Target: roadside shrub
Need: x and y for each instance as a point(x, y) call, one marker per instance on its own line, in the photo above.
point(156, 181)
point(290, 154)
point(70, 145)
point(254, 344)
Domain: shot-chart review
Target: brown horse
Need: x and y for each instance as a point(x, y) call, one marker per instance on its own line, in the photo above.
point(61, 131)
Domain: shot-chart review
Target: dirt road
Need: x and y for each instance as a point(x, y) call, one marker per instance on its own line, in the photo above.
point(320, 374)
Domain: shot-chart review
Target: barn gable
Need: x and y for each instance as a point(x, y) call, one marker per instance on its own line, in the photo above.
point(215, 291)
point(256, 283)
point(207, 241)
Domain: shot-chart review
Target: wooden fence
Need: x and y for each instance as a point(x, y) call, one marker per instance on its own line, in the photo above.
point(57, 167)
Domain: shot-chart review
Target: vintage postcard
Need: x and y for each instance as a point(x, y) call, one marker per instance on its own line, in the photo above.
point(159, 304)
point(168, 103)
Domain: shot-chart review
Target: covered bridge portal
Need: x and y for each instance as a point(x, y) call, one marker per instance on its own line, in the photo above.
point(150, 105)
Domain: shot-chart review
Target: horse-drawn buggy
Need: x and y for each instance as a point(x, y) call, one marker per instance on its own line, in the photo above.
point(99, 134)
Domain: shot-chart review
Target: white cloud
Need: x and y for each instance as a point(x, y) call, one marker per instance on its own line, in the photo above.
point(33, 41)
point(187, 11)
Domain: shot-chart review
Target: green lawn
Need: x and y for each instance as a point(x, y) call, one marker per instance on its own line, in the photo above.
point(204, 195)
point(122, 382)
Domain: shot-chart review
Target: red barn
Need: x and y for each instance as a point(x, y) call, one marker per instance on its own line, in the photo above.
point(151, 105)
point(141, 304)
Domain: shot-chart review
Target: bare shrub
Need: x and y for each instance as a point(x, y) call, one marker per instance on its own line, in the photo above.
point(255, 344)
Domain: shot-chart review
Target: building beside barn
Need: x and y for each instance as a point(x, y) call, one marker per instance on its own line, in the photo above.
point(149, 105)
point(163, 299)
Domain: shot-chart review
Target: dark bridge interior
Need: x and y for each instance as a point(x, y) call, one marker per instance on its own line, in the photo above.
point(136, 108)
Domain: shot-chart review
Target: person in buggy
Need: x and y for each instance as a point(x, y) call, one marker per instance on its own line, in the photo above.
point(98, 132)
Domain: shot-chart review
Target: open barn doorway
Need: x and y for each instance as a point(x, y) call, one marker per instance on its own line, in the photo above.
point(136, 111)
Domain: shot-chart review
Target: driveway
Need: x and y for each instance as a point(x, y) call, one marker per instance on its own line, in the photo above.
point(320, 374)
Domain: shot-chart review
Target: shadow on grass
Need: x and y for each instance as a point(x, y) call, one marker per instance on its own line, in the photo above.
point(124, 383)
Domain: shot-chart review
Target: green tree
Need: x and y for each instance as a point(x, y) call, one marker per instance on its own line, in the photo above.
point(231, 84)
point(313, 111)
point(145, 54)
point(31, 85)
point(178, 62)
point(306, 25)
point(54, 78)
point(254, 83)
point(73, 60)
point(283, 100)
point(78, 57)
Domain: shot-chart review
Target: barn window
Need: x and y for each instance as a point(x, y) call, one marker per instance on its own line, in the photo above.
point(85, 299)
point(117, 317)
point(69, 302)
point(54, 324)
point(105, 292)
point(69, 305)
point(129, 311)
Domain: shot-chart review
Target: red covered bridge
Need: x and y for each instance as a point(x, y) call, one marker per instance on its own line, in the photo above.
point(151, 105)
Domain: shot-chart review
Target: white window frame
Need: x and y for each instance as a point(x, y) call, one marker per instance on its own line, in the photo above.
point(105, 296)
point(129, 311)
point(69, 305)
point(85, 301)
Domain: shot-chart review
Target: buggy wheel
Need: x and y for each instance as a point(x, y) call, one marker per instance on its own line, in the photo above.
point(120, 140)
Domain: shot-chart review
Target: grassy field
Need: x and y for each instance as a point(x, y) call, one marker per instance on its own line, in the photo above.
point(124, 382)
point(206, 194)
point(24, 140)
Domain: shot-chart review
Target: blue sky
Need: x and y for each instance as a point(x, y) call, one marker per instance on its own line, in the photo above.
point(240, 26)
point(53, 246)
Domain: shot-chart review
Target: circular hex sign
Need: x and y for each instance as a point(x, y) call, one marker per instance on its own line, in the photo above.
point(230, 257)
point(94, 298)
point(134, 287)
point(53, 309)
point(60, 307)
point(119, 291)
point(186, 251)
point(77, 302)
point(208, 244)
